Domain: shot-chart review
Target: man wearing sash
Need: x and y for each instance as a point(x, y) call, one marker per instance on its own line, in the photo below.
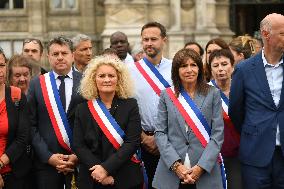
point(53, 98)
point(151, 75)
point(257, 109)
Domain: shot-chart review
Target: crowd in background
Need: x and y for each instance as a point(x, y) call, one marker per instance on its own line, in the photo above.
point(131, 118)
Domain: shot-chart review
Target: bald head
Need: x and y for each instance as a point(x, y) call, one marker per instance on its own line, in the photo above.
point(119, 42)
point(272, 33)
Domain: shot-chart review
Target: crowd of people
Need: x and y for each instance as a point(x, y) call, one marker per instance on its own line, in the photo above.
point(209, 118)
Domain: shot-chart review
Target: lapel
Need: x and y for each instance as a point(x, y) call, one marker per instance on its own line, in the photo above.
point(282, 89)
point(261, 78)
point(76, 82)
point(198, 100)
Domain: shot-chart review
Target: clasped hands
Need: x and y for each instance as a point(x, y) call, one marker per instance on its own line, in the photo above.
point(63, 163)
point(189, 176)
point(100, 175)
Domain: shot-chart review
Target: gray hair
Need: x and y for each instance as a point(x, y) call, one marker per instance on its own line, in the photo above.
point(265, 25)
point(78, 39)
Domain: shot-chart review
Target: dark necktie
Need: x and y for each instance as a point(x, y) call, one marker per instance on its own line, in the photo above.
point(62, 90)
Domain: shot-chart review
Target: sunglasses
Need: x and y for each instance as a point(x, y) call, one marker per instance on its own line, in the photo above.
point(35, 41)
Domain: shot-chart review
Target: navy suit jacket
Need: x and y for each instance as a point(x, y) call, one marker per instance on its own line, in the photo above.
point(44, 140)
point(254, 113)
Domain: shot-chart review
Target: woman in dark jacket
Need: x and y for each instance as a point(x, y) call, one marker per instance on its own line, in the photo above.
point(107, 128)
point(14, 132)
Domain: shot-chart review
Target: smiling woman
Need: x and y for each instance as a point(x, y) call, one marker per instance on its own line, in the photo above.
point(106, 156)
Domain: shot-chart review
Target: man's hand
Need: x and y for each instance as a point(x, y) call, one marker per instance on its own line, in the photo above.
point(98, 173)
point(108, 181)
point(59, 161)
point(149, 144)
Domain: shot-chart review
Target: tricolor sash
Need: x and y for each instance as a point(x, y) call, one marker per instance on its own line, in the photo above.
point(196, 121)
point(225, 106)
point(55, 110)
point(112, 130)
point(152, 76)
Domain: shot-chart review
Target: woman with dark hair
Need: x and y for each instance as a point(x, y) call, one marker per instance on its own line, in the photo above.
point(222, 66)
point(194, 46)
point(189, 128)
point(14, 132)
point(212, 45)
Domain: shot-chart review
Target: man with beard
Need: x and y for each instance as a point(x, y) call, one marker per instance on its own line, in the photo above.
point(119, 42)
point(154, 37)
point(82, 51)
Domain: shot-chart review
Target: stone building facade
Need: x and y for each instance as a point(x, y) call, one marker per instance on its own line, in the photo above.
point(185, 20)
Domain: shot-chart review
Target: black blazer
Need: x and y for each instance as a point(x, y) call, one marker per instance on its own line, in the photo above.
point(44, 139)
point(93, 148)
point(18, 134)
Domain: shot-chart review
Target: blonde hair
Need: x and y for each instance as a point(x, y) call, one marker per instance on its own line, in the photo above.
point(88, 88)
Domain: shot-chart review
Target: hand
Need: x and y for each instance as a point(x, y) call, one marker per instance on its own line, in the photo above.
point(149, 143)
point(197, 171)
point(108, 181)
point(1, 182)
point(182, 171)
point(59, 162)
point(98, 173)
point(71, 161)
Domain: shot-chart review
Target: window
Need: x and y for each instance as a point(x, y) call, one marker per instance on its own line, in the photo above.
point(12, 4)
point(11, 47)
point(63, 4)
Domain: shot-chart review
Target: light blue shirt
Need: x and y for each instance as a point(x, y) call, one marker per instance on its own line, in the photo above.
point(147, 99)
point(274, 75)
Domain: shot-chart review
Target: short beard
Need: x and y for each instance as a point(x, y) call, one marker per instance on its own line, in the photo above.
point(154, 54)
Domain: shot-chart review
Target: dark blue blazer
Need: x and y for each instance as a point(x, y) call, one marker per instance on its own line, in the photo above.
point(254, 113)
point(44, 140)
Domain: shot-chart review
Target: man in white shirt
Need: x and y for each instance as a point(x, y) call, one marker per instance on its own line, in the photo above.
point(153, 37)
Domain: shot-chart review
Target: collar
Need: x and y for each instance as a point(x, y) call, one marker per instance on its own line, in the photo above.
point(70, 74)
point(265, 63)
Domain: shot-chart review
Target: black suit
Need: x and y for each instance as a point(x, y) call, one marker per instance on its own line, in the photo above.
point(44, 140)
point(18, 135)
point(93, 148)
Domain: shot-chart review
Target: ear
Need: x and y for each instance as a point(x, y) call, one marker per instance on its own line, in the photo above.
point(265, 34)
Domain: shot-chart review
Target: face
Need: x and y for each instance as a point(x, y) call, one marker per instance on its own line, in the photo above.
point(21, 77)
point(120, 43)
point(193, 47)
point(2, 69)
point(32, 49)
point(83, 52)
point(221, 68)
point(106, 79)
point(60, 58)
point(210, 49)
point(152, 41)
point(276, 36)
point(188, 72)
point(237, 56)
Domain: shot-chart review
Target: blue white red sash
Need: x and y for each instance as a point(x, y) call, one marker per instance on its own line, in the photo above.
point(55, 110)
point(196, 121)
point(225, 107)
point(152, 76)
point(112, 130)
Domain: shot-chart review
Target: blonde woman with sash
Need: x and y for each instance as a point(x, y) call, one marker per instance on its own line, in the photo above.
point(189, 129)
point(107, 128)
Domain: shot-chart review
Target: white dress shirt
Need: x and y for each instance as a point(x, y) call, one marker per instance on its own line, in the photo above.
point(68, 86)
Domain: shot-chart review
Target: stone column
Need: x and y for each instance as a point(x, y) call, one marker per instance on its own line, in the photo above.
point(128, 18)
point(37, 17)
point(175, 15)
